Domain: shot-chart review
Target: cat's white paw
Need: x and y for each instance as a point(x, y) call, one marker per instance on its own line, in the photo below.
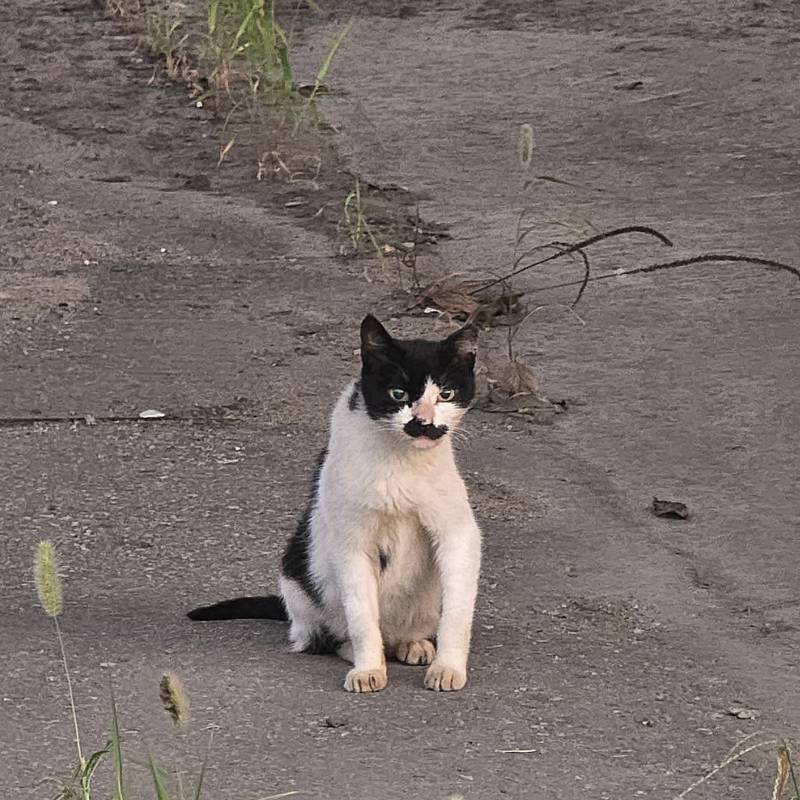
point(441, 678)
point(419, 652)
point(366, 680)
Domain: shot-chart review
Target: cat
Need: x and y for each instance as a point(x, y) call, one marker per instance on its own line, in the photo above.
point(386, 557)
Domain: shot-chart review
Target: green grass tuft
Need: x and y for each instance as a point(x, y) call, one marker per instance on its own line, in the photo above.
point(78, 786)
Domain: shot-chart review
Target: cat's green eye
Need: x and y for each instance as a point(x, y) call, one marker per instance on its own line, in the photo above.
point(398, 395)
point(447, 395)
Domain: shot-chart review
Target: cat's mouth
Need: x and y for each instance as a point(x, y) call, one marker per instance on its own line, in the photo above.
point(424, 432)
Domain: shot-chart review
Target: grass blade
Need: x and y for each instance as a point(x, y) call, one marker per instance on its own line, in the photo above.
point(282, 51)
point(93, 762)
point(243, 27)
point(158, 784)
point(792, 775)
point(116, 750)
point(332, 49)
point(200, 779)
point(202, 775)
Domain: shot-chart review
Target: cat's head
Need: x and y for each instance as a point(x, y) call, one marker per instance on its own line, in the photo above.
point(419, 388)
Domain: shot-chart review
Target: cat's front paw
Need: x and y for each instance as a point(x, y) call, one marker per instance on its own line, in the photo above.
point(441, 678)
point(419, 652)
point(366, 680)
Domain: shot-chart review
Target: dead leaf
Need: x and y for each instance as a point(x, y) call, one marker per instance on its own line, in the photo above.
point(510, 387)
point(670, 508)
point(224, 150)
point(311, 89)
point(629, 85)
point(461, 300)
point(513, 377)
point(334, 722)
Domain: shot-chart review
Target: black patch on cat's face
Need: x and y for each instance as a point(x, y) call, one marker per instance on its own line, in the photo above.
point(415, 428)
point(389, 363)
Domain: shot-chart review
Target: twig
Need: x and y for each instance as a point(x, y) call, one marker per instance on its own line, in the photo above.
point(733, 258)
point(412, 256)
point(682, 262)
point(584, 243)
point(582, 254)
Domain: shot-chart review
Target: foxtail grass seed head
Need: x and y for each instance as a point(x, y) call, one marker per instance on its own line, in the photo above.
point(525, 145)
point(783, 773)
point(173, 698)
point(45, 575)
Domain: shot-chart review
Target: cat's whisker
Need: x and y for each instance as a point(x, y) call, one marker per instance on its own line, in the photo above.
point(461, 438)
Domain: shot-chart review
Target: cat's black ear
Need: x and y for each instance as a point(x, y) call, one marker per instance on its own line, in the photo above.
point(464, 343)
point(375, 339)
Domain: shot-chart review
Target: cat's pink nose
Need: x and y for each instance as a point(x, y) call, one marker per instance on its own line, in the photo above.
point(423, 412)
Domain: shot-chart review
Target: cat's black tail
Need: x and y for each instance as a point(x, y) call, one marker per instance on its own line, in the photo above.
point(268, 607)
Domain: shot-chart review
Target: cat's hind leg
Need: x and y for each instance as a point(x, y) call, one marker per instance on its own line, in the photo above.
point(411, 621)
point(305, 616)
point(419, 651)
point(345, 652)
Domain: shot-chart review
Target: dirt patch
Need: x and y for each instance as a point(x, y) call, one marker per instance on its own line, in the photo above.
point(716, 20)
point(280, 135)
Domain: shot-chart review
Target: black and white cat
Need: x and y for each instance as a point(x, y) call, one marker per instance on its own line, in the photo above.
point(387, 555)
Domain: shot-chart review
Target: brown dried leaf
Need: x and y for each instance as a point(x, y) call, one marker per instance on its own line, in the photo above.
point(510, 387)
point(452, 301)
point(512, 378)
point(454, 297)
point(670, 508)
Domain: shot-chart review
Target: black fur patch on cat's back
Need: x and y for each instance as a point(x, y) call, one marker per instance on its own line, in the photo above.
point(296, 557)
point(352, 402)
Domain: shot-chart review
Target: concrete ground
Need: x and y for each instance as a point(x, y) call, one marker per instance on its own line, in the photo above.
point(610, 645)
